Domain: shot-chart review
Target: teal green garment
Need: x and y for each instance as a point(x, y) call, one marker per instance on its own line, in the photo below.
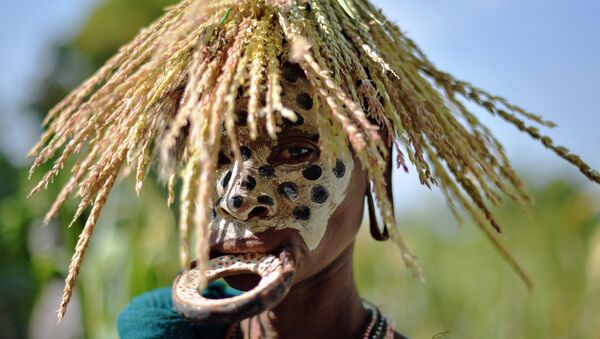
point(151, 316)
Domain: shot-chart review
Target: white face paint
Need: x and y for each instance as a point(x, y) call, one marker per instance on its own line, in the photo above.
point(283, 183)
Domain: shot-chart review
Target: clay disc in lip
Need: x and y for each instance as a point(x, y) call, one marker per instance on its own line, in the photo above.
point(276, 272)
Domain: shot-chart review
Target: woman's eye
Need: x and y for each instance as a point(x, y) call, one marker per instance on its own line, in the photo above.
point(296, 154)
point(298, 151)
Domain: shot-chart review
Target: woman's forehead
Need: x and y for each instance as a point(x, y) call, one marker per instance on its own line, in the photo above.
point(297, 98)
point(305, 127)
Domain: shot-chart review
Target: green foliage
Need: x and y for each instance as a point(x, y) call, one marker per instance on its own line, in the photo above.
point(17, 283)
point(133, 251)
point(113, 23)
point(26, 270)
point(471, 293)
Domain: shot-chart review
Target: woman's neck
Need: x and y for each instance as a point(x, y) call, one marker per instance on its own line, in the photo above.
point(326, 305)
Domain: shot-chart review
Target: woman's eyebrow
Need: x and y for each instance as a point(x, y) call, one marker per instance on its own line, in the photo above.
point(292, 131)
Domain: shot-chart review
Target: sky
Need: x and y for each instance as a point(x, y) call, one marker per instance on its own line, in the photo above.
point(28, 30)
point(541, 54)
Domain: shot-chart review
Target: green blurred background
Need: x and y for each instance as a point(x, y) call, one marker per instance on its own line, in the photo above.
point(470, 292)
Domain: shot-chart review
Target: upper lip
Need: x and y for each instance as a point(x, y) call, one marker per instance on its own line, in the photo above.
point(252, 244)
point(236, 247)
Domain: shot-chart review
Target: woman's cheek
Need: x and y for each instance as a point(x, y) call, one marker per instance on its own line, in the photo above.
point(322, 189)
point(304, 198)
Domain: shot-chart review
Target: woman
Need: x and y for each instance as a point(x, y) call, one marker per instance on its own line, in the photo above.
point(279, 117)
point(287, 195)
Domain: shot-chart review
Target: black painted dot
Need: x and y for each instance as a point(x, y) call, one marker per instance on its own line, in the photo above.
point(315, 137)
point(312, 172)
point(265, 200)
point(249, 183)
point(302, 213)
point(246, 153)
point(319, 194)
point(305, 101)
point(299, 120)
point(242, 118)
point(340, 169)
point(291, 72)
point(289, 190)
point(236, 202)
point(226, 179)
point(266, 171)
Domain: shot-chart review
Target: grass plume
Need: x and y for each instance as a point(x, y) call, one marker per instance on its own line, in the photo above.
point(168, 91)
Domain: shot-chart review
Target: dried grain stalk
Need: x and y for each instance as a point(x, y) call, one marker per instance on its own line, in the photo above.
point(167, 92)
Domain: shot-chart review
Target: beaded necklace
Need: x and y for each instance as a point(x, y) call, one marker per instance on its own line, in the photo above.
point(378, 328)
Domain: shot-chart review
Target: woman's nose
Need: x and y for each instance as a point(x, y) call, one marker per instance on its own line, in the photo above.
point(245, 198)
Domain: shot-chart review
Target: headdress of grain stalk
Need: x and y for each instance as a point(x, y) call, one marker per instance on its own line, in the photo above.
point(166, 94)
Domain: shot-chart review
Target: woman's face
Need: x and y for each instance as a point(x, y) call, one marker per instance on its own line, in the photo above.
point(287, 194)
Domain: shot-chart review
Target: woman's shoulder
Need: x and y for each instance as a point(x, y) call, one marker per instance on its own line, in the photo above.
point(151, 315)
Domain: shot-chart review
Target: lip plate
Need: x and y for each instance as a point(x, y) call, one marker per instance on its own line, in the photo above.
point(277, 283)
